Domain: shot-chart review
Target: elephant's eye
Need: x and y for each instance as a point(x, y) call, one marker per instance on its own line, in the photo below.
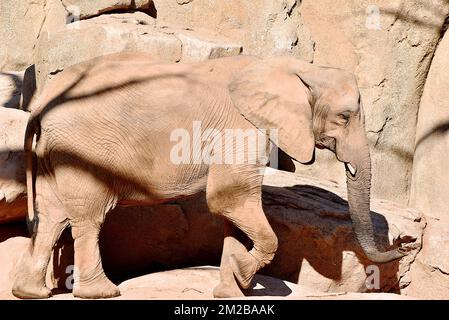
point(344, 118)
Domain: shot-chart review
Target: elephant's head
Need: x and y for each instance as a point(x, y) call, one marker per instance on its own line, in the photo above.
point(312, 107)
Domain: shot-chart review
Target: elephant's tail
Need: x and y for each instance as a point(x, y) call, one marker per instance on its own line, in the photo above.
point(28, 148)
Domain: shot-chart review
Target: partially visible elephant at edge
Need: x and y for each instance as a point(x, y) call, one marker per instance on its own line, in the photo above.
point(103, 132)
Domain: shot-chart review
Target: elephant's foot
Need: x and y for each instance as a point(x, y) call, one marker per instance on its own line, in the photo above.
point(224, 290)
point(30, 290)
point(244, 266)
point(29, 280)
point(98, 289)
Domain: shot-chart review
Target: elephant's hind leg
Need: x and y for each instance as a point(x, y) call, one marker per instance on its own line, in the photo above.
point(90, 280)
point(86, 220)
point(50, 221)
point(87, 203)
point(235, 193)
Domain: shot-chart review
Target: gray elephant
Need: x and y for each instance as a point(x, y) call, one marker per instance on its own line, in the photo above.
point(109, 133)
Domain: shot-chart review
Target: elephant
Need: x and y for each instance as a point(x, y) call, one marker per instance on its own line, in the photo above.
point(105, 132)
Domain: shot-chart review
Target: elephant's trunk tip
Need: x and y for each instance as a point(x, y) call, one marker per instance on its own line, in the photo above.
point(384, 257)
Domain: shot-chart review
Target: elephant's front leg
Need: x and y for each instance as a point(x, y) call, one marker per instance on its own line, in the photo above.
point(228, 286)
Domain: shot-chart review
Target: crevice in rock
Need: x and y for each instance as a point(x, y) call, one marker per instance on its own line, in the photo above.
point(380, 131)
point(115, 11)
point(150, 10)
point(439, 269)
point(56, 71)
point(295, 43)
point(295, 5)
point(41, 26)
point(183, 2)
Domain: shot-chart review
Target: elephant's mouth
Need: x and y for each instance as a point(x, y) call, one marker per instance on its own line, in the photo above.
point(325, 142)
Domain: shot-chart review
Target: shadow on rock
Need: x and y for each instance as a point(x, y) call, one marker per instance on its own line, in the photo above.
point(269, 287)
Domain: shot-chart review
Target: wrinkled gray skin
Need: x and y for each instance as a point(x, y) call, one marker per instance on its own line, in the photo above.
point(103, 133)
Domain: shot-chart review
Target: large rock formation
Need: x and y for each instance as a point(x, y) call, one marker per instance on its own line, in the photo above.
point(430, 182)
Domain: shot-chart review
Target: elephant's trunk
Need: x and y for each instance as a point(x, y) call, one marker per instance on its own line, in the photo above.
point(359, 186)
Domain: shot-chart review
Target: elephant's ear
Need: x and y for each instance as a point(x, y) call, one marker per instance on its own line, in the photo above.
point(271, 95)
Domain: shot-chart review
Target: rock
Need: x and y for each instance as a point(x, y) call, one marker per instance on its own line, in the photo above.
point(114, 33)
point(197, 284)
point(435, 253)
point(136, 18)
point(202, 45)
point(20, 23)
point(56, 17)
point(10, 88)
point(389, 46)
point(317, 249)
point(87, 8)
point(430, 177)
point(100, 36)
point(429, 273)
point(12, 171)
point(10, 251)
point(427, 283)
point(28, 20)
point(263, 27)
point(313, 214)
